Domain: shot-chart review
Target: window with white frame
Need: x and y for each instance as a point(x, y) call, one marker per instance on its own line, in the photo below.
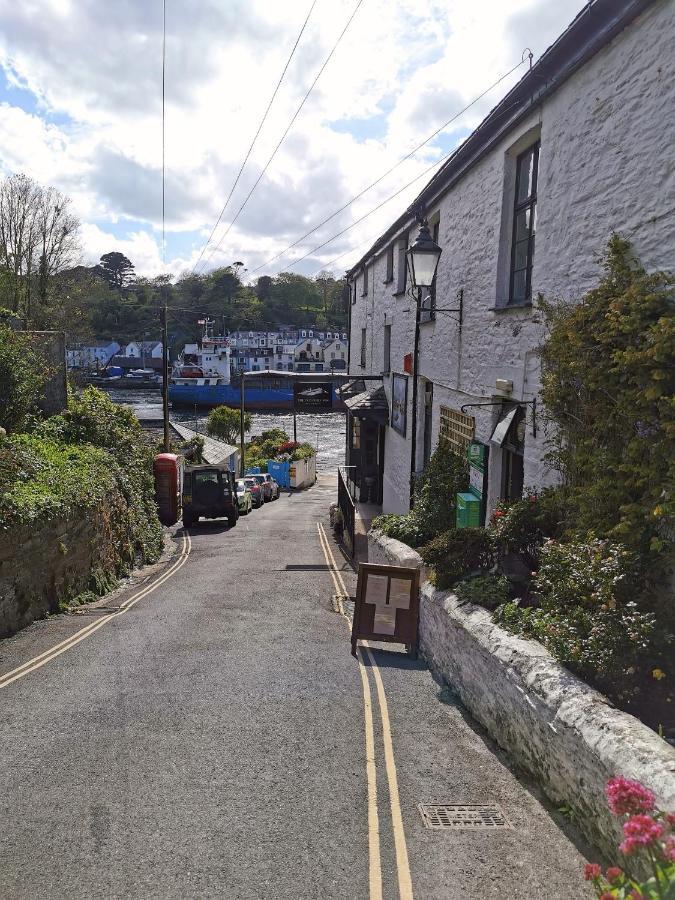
point(524, 225)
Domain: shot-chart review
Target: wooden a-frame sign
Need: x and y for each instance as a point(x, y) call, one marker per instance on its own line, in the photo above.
point(387, 605)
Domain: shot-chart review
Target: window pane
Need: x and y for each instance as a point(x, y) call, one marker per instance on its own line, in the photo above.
point(519, 291)
point(521, 254)
point(525, 175)
point(523, 224)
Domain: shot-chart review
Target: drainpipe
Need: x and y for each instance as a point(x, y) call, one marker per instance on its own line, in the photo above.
point(413, 423)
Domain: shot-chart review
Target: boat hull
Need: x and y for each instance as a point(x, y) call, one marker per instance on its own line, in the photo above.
point(209, 395)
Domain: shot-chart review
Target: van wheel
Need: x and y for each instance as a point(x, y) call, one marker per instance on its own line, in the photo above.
point(231, 521)
point(189, 521)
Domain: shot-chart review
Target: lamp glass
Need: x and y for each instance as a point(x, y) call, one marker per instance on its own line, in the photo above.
point(423, 258)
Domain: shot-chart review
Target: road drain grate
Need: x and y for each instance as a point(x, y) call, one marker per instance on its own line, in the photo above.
point(467, 817)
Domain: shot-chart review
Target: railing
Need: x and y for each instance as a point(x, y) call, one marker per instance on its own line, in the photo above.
point(347, 509)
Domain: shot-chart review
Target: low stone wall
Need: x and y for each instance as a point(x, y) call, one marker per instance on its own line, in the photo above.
point(41, 567)
point(555, 726)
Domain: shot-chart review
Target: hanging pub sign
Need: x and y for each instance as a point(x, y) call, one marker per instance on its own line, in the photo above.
point(387, 605)
point(399, 403)
point(313, 396)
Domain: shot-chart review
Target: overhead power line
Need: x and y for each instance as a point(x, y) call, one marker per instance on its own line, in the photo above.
point(255, 136)
point(390, 170)
point(283, 137)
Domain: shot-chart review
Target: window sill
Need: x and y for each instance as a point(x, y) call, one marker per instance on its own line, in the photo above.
point(399, 293)
point(527, 304)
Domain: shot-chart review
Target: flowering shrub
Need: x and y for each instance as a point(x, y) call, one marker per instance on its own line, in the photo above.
point(522, 526)
point(649, 834)
point(594, 574)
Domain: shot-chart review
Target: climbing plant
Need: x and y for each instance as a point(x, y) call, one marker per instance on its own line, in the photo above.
point(608, 380)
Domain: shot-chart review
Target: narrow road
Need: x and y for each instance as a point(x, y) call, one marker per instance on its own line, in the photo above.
point(216, 739)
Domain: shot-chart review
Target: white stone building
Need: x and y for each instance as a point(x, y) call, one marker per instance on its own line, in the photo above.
point(582, 146)
point(144, 349)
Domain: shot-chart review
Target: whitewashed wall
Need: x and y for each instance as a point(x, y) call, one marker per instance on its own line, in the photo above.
point(607, 164)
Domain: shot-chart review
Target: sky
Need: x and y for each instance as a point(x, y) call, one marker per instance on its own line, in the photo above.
point(80, 109)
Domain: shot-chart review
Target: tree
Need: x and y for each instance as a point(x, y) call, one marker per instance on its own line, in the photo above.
point(117, 270)
point(223, 423)
point(38, 240)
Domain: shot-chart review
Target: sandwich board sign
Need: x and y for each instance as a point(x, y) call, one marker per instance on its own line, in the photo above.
point(387, 605)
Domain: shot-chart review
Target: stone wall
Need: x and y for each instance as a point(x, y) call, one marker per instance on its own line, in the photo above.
point(41, 567)
point(597, 136)
point(555, 726)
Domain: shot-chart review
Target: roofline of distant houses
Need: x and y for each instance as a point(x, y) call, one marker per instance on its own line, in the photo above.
point(594, 27)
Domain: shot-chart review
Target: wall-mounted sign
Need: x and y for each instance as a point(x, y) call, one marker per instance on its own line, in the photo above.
point(399, 403)
point(478, 453)
point(387, 605)
point(313, 396)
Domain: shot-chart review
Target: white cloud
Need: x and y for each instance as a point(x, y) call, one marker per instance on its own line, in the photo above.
point(96, 131)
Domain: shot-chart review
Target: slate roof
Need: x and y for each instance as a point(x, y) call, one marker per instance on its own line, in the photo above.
point(371, 404)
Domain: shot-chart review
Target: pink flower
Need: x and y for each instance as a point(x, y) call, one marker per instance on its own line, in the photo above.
point(670, 819)
point(669, 849)
point(626, 797)
point(613, 874)
point(636, 895)
point(630, 845)
point(607, 896)
point(641, 831)
point(591, 871)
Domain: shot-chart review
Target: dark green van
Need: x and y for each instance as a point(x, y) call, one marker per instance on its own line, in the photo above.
point(209, 492)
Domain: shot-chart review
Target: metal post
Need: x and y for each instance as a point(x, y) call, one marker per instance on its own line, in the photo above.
point(241, 422)
point(413, 423)
point(165, 375)
point(295, 416)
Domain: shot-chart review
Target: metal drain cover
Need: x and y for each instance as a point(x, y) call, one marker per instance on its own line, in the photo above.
point(462, 816)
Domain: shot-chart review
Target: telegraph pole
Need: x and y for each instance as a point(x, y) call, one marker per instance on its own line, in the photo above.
point(241, 422)
point(165, 374)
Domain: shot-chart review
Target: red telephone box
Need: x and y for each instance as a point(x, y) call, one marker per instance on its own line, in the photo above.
point(168, 472)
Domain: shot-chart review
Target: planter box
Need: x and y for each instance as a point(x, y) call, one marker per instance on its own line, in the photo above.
point(564, 733)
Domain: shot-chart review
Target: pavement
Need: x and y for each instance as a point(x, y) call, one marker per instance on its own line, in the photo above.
point(209, 735)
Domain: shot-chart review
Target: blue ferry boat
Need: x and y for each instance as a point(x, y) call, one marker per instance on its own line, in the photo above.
point(202, 377)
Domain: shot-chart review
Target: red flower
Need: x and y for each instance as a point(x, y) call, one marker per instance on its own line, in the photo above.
point(613, 874)
point(498, 514)
point(591, 871)
point(670, 819)
point(669, 849)
point(607, 896)
point(640, 831)
point(636, 895)
point(626, 797)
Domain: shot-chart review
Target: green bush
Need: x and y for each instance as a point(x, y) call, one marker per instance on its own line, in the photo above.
point(224, 423)
point(607, 385)
point(402, 528)
point(456, 553)
point(93, 420)
point(489, 591)
point(22, 379)
point(446, 474)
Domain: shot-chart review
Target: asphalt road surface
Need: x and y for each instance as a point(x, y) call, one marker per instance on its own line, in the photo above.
point(215, 738)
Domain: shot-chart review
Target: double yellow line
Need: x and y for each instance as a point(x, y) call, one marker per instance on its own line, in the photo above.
point(38, 661)
point(402, 864)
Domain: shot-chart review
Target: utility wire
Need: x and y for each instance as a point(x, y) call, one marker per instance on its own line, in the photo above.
point(283, 137)
point(392, 169)
point(255, 136)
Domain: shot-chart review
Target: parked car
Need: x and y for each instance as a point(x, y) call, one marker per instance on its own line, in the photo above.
point(275, 492)
point(209, 491)
point(244, 498)
point(256, 491)
point(265, 482)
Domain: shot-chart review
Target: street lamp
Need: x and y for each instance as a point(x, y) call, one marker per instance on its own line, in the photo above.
point(422, 257)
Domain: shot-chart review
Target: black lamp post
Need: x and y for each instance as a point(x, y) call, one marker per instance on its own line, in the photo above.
point(422, 258)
